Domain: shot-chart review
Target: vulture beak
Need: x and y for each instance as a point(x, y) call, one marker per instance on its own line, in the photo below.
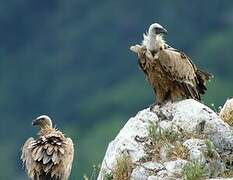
point(162, 31)
point(35, 122)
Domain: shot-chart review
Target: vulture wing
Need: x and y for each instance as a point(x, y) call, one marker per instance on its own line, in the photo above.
point(27, 157)
point(48, 157)
point(69, 157)
point(180, 69)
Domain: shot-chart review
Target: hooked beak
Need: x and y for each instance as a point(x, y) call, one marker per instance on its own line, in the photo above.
point(35, 122)
point(162, 31)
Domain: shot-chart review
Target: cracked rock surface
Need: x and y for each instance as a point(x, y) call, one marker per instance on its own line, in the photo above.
point(197, 134)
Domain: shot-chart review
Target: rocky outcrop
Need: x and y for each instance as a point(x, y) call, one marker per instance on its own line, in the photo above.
point(176, 141)
point(226, 112)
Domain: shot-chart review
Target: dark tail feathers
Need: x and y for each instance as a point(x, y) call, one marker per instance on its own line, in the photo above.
point(202, 77)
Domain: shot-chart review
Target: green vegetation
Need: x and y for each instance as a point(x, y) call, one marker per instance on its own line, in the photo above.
point(71, 60)
point(212, 157)
point(163, 138)
point(178, 151)
point(123, 169)
point(108, 176)
point(194, 171)
point(158, 139)
point(210, 149)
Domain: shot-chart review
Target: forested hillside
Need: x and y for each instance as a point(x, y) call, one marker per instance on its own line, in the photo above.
point(71, 60)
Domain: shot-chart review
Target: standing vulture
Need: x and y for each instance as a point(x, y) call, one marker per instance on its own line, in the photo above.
point(170, 72)
point(50, 155)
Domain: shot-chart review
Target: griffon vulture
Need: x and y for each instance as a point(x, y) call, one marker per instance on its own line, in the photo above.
point(170, 72)
point(50, 155)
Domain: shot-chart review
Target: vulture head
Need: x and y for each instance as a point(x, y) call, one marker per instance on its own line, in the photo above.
point(153, 40)
point(156, 29)
point(43, 122)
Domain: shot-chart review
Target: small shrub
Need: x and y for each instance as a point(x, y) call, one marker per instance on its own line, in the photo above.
point(210, 149)
point(179, 151)
point(194, 171)
point(165, 138)
point(159, 135)
point(157, 140)
point(155, 132)
point(123, 169)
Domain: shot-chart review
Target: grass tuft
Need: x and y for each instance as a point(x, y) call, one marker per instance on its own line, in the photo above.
point(210, 149)
point(165, 138)
point(123, 169)
point(179, 151)
point(194, 171)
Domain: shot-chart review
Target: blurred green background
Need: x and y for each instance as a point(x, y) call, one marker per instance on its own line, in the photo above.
point(71, 60)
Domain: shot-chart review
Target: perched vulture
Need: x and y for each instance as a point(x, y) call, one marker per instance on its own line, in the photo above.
point(170, 72)
point(50, 155)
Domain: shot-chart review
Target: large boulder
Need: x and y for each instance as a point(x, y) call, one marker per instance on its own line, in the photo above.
point(178, 140)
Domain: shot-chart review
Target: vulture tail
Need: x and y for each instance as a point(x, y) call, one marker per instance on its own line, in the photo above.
point(193, 92)
point(190, 91)
point(47, 177)
point(202, 77)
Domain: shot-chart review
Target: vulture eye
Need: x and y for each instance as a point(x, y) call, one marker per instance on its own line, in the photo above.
point(156, 29)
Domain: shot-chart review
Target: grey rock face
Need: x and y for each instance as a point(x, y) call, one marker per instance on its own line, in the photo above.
point(193, 128)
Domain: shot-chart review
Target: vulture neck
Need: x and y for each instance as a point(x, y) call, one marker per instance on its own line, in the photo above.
point(45, 128)
point(154, 42)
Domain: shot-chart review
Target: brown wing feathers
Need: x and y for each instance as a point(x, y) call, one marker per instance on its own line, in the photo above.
point(203, 77)
point(180, 70)
point(175, 70)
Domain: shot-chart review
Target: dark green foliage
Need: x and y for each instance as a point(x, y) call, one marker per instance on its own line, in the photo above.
point(71, 60)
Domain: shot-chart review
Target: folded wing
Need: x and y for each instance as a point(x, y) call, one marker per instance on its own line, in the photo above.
point(49, 156)
point(180, 69)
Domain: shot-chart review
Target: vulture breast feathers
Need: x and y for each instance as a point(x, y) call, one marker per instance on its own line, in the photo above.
point(50, 155)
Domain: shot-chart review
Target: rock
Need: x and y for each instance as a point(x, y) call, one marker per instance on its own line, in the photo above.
point(195, 144)
point(144, 170)
point(226, 112)
point(175, 167)
point(162, 176)
point(196, 148)
point(180, 128)
point(196, 155)
point(194, 117)
point(126, 140)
